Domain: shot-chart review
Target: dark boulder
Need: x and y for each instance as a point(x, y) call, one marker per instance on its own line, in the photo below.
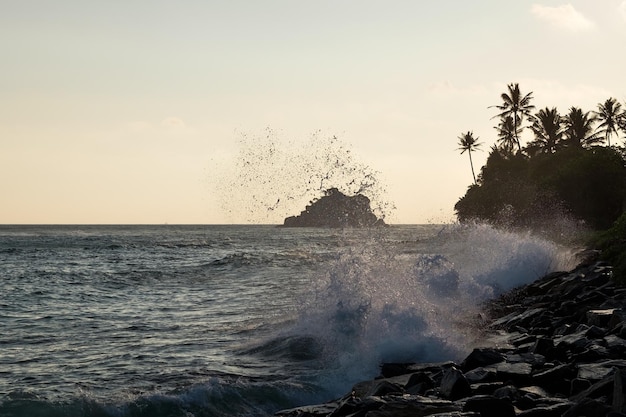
point(336, 210)
point(454, 386)
point(490, 406)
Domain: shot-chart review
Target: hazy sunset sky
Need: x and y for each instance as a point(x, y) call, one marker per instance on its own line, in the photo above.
point(125, 111)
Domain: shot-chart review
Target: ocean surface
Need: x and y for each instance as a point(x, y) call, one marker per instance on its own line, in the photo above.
point(237, 320)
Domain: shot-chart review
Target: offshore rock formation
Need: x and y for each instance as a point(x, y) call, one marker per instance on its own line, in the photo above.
point(336, 209)
point(557, 347)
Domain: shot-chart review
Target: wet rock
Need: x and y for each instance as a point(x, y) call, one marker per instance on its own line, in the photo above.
point(419, 383)
point(619, 397)
point(599, 370)
point(309, 411)
point(588, 408)
point(384, 388)
point(481, 375)
point(487, 388)
point(600, 318)
point(555, 410)
point(481, 357)
point(561, 343)
point(454, 386)
point(543, 346)
point(518, 373)
point(410, 406)
point(490, 406)
point(351, 405)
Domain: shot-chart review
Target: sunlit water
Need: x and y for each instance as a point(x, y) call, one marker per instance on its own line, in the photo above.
point(236, 320)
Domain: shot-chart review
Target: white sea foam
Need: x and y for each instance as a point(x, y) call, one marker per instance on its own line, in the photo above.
point(376, 304)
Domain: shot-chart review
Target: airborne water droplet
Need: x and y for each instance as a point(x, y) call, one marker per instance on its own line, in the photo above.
point(272, 177)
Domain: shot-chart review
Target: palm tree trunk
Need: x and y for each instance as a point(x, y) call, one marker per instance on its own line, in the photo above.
point(519, 146)
point(472, 165)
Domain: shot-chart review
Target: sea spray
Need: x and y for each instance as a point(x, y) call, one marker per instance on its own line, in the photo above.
point(273, 177)
point(382, 301)
point(491, 260)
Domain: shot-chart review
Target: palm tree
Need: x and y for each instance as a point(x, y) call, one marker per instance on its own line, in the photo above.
point(547, 129)
point(621, 121)
point(507, 134)
point(516, 106)
point(609, 114)
point(579, 132)
point(469, 143)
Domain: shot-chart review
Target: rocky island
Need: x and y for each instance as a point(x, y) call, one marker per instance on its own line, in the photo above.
point(335, 209)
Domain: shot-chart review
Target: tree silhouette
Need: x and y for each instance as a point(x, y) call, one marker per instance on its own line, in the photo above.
point(469, 143)
point(621, 121)
point(562, 174)
point(546, 126)
point(579, 132)
point(517, 106)
point(609, 114)
point(507, 134)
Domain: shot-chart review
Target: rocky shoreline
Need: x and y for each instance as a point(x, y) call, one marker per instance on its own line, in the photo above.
point(556, 347)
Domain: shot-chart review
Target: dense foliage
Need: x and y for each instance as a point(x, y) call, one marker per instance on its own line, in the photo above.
point(564, 172)
point(612, 244)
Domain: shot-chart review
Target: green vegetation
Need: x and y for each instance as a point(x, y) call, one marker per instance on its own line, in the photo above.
point(569, 170)
point(612, 244)
point(565, 171)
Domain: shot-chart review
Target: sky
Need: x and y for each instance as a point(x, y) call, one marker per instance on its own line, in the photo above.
point(133, 112)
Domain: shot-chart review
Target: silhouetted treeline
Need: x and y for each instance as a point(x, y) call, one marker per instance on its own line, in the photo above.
point(569, 169)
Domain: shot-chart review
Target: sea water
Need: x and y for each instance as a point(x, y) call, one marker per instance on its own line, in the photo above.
point(237, 320)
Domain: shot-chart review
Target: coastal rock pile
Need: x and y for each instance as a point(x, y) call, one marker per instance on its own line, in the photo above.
point(556, 347)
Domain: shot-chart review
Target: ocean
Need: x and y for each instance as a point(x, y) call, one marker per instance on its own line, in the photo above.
point(238, 320)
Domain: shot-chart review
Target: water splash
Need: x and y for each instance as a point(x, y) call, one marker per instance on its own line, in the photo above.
point(381, 301)
point(272, 177)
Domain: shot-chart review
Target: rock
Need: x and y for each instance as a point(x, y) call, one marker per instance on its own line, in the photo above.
point(454, 386)
point(351, 405)
point(508, 392)
point(489, 406)
point(388, 370)
point(560, 342)
point(336, 209)
point(410, 406)
point(481, 375)
point(588, 408)
point(556, 380)
point(543, 346)
point(616, 346)
point(481, 357)
point(385, 387)
point(419, 383)
point(486, 388)
point(618, 317)
point(309, 411)
point(520, 319)
point(601, 389)
point(549, 411)
point(600, 318)
point(619, 402)
point(599, 370)
point(518, 373)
